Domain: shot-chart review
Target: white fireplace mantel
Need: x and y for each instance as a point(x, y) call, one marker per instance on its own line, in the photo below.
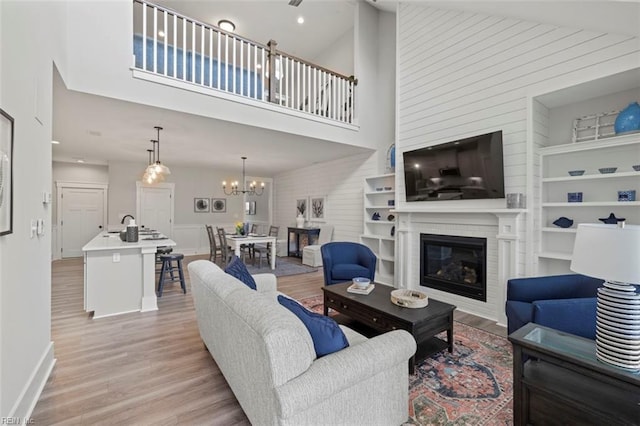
point(499, 223)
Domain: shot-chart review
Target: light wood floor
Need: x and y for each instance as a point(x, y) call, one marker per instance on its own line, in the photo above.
point(144, 368)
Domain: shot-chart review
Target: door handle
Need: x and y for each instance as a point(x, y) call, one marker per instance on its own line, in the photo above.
point(99, 226)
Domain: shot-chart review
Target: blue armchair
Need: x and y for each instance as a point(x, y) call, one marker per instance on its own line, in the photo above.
point(563, 302)
point(342, 261)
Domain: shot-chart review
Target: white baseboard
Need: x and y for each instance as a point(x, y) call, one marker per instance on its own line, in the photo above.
point(29, 396)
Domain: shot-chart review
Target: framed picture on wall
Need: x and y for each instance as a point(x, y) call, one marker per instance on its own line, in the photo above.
point(6, 173)
point(201, 205)
point(318, 208)
point(218, 205)
point(302, 207)
point(250, 207)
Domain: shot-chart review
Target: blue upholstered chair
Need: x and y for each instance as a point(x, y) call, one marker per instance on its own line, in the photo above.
point(342, 261)
point(563, 302)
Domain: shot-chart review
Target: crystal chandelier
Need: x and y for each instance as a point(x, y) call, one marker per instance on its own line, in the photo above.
point(235, 185)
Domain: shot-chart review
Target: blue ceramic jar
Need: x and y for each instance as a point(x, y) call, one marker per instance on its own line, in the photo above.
point(628, 120)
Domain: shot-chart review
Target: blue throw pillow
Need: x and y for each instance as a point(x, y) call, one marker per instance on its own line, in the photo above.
point(326, 334)
point(236, 268)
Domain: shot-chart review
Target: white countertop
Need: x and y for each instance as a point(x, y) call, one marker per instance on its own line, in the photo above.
point(112, 241)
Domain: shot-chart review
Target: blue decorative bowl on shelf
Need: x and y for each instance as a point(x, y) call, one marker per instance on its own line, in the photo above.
point(576, 172)
point(628, 120)
point(574, 197)
point(563, 222)
point(629, 195)
point(607, 170)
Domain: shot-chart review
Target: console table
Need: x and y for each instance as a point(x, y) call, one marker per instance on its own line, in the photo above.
point(294, 237)
point(558, 380)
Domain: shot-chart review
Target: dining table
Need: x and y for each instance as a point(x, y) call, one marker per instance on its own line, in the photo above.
point(235, 241)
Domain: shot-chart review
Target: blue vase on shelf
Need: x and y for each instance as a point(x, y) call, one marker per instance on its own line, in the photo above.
point(628, 120)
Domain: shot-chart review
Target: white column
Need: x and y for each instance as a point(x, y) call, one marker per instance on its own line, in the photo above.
point(149, 299)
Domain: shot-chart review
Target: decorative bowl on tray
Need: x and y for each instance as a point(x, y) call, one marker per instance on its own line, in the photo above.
point(409, 298)
point(361, 282)
point(576, 172)
point(606, 170)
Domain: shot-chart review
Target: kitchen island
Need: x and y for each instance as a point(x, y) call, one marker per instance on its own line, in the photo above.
point(120, 277)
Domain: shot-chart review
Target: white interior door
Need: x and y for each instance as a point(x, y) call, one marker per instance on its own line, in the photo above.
point(82, 218)
point(156, 209)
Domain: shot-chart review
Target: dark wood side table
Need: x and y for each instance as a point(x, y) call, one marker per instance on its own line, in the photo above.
point(376, 312)
point(295, 233)
point(558, 380)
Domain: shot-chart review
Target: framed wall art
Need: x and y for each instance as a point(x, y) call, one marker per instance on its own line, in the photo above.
point(201, 205)
point(318, 209)
point(218, 205)
point(250, 207)
point(302, 207)
point(6, 173)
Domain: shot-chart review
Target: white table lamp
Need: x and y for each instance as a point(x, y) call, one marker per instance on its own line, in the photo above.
point(612, 253)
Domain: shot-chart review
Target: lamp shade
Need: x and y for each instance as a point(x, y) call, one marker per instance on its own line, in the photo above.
point(608, 252)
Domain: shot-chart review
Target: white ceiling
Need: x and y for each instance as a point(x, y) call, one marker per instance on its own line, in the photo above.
point(100, 130)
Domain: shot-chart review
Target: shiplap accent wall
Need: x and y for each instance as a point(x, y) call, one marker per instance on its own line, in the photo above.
point(341, 181)
point(462, 74)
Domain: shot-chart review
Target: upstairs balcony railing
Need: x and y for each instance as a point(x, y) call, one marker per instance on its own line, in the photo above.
point(175, 46)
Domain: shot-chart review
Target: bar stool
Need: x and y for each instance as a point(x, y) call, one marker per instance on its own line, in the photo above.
point(160, 250)
point(168, 267)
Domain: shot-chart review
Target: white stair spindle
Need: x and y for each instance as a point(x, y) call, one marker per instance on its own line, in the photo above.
point(175, 45)
point(210, 57)
point(144, 37)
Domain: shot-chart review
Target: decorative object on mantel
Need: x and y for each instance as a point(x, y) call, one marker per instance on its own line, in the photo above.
point(375, 216)
point(628, 195)
point(393, 230)
point(516, 201)
point(607, 170)
point(608, 253)
point(563, 222)
point(636, 167)
point(409, 298)
point(390, 218)
point(576, 172)
point(391, 158)
point(628, 119)
point(612, 219)
point(594, 127)
point(252, 186)
point(574, 197)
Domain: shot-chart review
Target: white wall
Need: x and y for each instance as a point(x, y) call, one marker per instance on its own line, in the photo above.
point(339, 57)
point(462, 74)
point(341, 181)
point(31, 37)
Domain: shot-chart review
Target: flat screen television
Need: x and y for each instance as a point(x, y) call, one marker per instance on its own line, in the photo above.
point(465, 169)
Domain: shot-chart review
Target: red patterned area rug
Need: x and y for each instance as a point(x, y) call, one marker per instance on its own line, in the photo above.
point(471, 386)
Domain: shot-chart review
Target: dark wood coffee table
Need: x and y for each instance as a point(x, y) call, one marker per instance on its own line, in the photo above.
point(376, 312)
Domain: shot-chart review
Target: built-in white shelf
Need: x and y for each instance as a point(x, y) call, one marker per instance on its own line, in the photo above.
point(592, 177)
point(594, 204)
point(377, 233)
point(560, 230)
point(554, 255)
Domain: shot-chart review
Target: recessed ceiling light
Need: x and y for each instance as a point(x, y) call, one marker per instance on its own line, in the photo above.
point(79, 160)
point(227, 25)
point(300, 20)
point(160, 33)
point(55, 142)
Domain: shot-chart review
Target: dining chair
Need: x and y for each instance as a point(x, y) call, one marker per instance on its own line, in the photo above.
point(225, 250)
point(214, 250)
point(259, 249)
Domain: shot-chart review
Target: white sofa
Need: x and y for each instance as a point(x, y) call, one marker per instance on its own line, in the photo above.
point(267, 356)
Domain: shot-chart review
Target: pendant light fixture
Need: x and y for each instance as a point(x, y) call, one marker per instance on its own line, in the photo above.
point(159, 167)
point(234, 185)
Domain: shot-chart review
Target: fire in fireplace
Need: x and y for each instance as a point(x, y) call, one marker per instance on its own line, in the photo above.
point(454, 264)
